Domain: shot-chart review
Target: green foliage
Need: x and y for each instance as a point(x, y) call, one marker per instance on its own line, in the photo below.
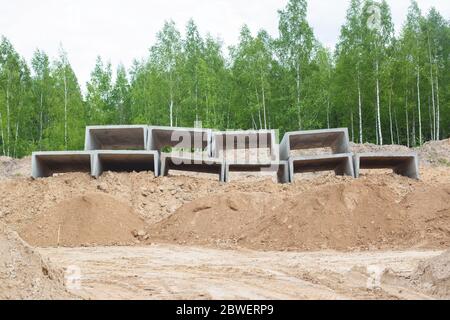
point(383, 88)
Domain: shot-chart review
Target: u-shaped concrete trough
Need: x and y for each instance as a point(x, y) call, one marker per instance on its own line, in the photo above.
point(182, 138)
point(192, 164)
point(241, 140)
point(281, 168)
point(132, 137)
point(335, 139)
point(403, 164)
point(341, 164)
point(125, 161)
point(45, 164)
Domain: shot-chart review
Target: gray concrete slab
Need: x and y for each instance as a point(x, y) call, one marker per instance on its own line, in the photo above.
point(280, 167)
point(45, 164)
point(341, 164)
point(240, 139)
point(401, 163)
point(192, 164)
point(336, 139)
point(182, 138)
point(124, 161)
point(132, 137)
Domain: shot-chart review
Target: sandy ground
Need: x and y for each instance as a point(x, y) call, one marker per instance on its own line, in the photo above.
point(47, 207)
point(181, 272)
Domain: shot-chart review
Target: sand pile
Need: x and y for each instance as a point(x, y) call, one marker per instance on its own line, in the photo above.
point(370, 147)
point(23, 273)
point(91, 219)
point(218, 219)
point(24, 204)
point(431, 153)
point(434, 276)
point(429, 208)
point(356, 215)
point(13, 168)
point(435, 153)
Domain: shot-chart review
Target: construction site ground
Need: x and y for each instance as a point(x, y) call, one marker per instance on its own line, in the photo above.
point(134, 236)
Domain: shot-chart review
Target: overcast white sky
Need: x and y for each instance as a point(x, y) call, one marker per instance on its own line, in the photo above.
point(121, 30)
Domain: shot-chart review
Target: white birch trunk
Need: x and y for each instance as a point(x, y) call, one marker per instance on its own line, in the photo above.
point(16, 138)
point(414, 130)
point(418, 106)
point(264, 103)
point(41, 120)
point(3, 136)
point(391, 127)
point(171, 111)
point(171, 99)
point(352, 127)
point(396, 126)
point(360, 113)
point(8, 116)
point(407, 120)
point(328, 113)
point(432, 90)
point(380, 134)
point(430, 117)
point(438, 111)
point(298, 96)
point(65, 110)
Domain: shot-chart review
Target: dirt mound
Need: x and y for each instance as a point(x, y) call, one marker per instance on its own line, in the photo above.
point(436, 153)
point(370, 147)
point(154, 199)
point(13, 168)
point(23, 273)
point(92, 219)
point(434, 276)
point(355, 215)
point(429, 207)
point(218, 219)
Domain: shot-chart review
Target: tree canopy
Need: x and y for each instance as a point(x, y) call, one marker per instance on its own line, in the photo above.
point(385, 88)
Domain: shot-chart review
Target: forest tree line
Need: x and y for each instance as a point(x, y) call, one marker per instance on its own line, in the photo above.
point(386, 89)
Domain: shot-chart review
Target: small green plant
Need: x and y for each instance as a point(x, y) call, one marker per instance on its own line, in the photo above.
point(444, 162)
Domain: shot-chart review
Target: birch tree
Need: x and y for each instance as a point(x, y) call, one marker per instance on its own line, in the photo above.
point(349, 55)
point(295, 45)
point(166, 54)
point(42, 84)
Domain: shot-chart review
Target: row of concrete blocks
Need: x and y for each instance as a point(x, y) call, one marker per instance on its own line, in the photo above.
point(156, 138)
point(150, 138)
point(341, 160)
point(45, 164)
point(150, 141)
point(342, 164)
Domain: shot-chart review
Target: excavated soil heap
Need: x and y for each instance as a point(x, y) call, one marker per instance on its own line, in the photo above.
point(11, 168)
point(429, 208)
point(23, 273)
point(435, 153)
point(434, 276)
point(91, 219)
point(354, 215)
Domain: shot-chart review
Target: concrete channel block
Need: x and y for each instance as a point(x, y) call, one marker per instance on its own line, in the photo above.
point(336, 139)
point(124, 161)
point(403, 164)
point(341, 164)
point(132, 137)
point(45, 164)
point(182, 138)
point(280, 167)
point(238, 140)
point(192, 164)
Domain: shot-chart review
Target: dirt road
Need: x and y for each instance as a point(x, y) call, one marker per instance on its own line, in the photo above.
point(180, 272)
